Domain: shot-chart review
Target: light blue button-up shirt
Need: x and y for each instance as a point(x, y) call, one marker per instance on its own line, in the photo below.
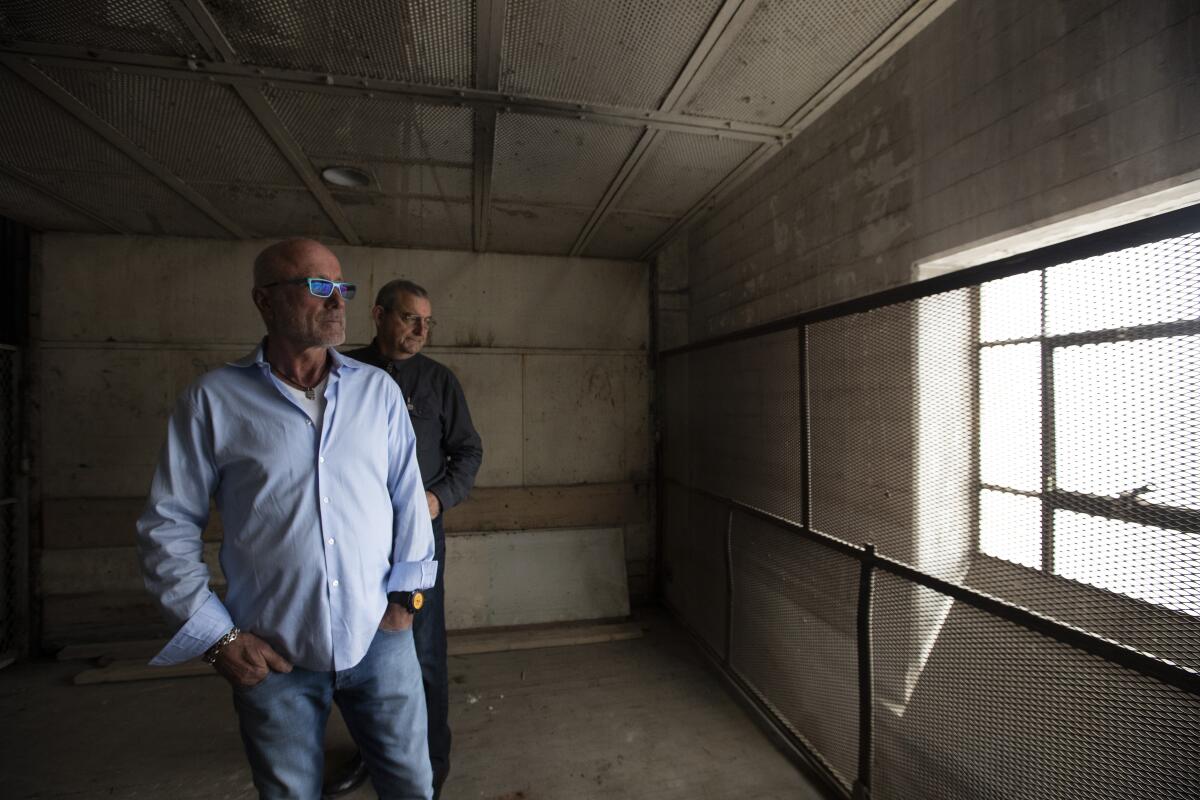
point(319, 524)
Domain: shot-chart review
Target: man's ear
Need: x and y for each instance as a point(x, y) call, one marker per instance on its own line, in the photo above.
point(377, 313)
point(261, 300)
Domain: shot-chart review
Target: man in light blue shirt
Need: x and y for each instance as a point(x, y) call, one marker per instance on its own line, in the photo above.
point(311, 459)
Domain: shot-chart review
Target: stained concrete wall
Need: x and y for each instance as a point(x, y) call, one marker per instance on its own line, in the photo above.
point(996, 119)
point(551, 353)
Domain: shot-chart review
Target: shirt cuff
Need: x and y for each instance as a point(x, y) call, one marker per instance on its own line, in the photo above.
point(408, 576)
point(210, 622)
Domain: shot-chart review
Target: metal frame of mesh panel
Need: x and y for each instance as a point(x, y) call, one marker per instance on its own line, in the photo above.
point(902, 631)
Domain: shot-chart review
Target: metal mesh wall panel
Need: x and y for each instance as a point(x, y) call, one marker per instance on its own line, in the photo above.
point(44, 135)
point(367, 128)
point(408, 221)
point(996, 712)
point(581, 50)
point(697, 583)
point(793, 636)
point(786, 53)
point(132, 26)
point(626, 235)
point(41, 212)
point(744, 423)
point(9, 435)
point(139, 204)
point(681, 170)
point(271, 211)
point(194, 128)
point(9, 625)
point(585, 156)
point(534, 229)
point(416, 41)
point(891, 405)
point(406, 180)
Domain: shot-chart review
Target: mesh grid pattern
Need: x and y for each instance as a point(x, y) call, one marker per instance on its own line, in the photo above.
point(681, 170)
point(891, 408)
point(272, 211)
point(139, 203)
point(130, 26)
point(41, 212)
point(44, 134)
point(744, 423)
point(1033, 438)
point(626, 235)
point(580, 50)
point(194, 128)
point(786, 53)
point(793, 636)
point(416, 41)
point(410, 221)
point(995, 712)
point(367, 128)
point(8, 423)
point(534, 229)
point(8, 585)
point(697, 585)
point(586, 157)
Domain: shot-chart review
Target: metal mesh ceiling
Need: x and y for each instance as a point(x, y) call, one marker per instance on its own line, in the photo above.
point(582, 50)
point(197, 129)
point(138, 203)
point(36, 209)
point(130, 26)
point(626, 235)
point(408, 221)
point(681, 170)
point(416, 41)
point(43, 135)
point(786, 53)
point(271, 211)
point(375, 128)
point(558, 161)
point(534, 229)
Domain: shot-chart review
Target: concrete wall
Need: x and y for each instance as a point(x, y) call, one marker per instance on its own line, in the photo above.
point(551, 353)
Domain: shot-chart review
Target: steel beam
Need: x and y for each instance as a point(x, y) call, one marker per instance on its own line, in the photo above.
point(255, 77)
point(210, 36)
point(489, 43)
point(119, 140)
point(728, 22)
point(28, 180)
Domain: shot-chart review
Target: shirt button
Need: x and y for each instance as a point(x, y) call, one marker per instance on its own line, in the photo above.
point(335, 584)
point(324, 499)
point(320, 459)
point(308, 422)
point(329, 541)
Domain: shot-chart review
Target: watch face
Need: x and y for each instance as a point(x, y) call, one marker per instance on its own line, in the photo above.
point(418, 600)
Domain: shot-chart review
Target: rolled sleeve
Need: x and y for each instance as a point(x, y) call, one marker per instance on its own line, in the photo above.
point(210, 622)
point(413, 566)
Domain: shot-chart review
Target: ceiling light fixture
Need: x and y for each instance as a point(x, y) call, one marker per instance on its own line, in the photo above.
point(345, 176)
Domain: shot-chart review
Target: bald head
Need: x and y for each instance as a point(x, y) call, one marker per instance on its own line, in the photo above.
point(282, 259)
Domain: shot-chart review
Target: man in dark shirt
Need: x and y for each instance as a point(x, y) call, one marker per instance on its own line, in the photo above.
point(449, 453)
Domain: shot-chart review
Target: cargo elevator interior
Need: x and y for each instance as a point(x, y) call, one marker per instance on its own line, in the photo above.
point(837, 364)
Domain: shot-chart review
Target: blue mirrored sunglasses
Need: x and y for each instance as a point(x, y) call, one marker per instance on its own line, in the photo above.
point(319, 287)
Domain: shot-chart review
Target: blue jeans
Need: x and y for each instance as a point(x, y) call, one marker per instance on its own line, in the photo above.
point(283, 720)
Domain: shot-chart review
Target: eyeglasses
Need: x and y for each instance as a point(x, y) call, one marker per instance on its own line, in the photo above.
point(412, 319)
point(319, 287)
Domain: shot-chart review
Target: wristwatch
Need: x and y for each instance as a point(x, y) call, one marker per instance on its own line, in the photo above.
point(410, 601)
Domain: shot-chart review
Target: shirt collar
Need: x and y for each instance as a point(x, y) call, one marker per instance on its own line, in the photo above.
point(258, 358)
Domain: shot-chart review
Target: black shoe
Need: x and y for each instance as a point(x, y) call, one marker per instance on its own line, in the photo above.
point(346, 778)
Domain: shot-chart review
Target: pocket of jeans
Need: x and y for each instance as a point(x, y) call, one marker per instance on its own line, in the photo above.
point(248, 689)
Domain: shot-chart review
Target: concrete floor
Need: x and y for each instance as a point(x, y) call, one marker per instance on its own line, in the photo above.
point(635, 719)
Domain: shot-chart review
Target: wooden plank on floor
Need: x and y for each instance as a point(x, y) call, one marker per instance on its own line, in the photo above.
point(126, 661)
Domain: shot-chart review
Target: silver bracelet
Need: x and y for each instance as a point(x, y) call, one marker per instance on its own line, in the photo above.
point(210, 655)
